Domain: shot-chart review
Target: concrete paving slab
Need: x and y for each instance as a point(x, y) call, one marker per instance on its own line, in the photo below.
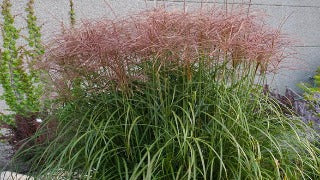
point(7, 175)
point(302, 24)
point(297, 70)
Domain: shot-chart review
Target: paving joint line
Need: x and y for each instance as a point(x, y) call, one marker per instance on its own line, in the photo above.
point(306, 46)
point(243, 3)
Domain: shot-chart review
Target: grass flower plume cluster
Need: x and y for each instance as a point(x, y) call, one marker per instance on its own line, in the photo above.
point(171, 95)
point(109, 51)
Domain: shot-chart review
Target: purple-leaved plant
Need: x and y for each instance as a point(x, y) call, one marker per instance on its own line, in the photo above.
point(307, 110)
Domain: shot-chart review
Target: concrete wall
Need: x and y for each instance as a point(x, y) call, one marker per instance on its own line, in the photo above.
point(301, 20)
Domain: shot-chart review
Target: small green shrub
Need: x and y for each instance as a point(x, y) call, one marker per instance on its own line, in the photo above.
point(22, 88)
point(312, 89)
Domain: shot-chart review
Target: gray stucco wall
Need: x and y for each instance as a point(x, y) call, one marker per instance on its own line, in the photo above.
point(301, 21)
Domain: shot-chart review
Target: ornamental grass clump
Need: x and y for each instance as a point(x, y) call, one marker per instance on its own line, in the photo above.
point(171, 95)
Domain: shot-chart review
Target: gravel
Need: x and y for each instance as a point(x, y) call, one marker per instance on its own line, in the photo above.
point(6, 152)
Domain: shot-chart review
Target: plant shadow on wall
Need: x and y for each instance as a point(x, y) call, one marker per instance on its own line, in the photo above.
point(175, 95)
